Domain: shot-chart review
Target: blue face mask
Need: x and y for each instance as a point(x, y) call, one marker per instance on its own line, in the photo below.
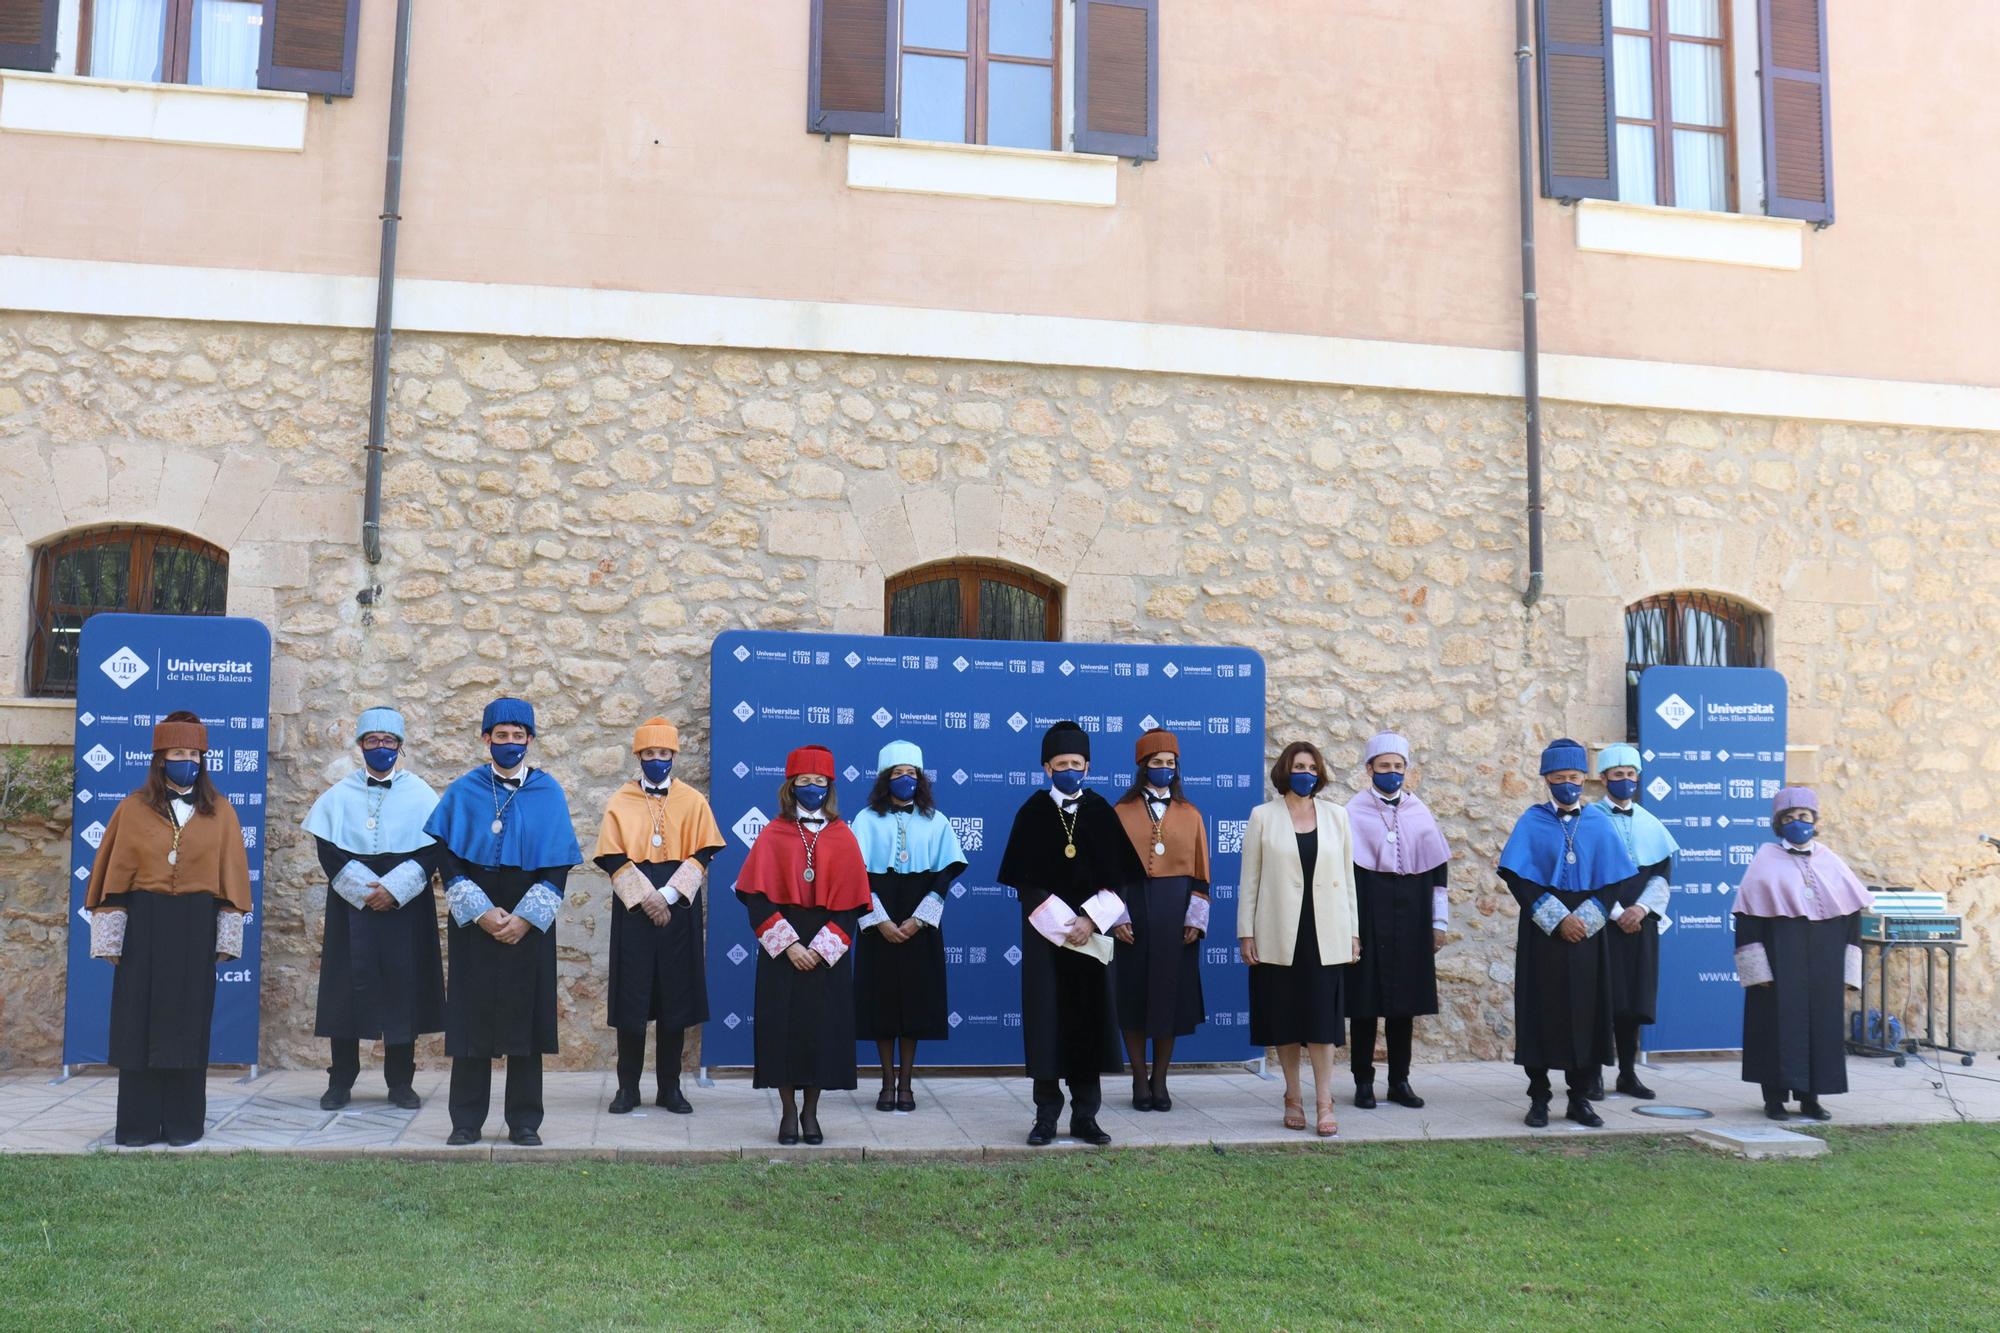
point(1797, 832)
point(656, 770)
point(1387, 783)
point(1162, 778)
point(903, 786)
point(1622, 789)
point(809, 798)
point(1068, 781)
point(1303, 783)
point(507, 755)
point(379, 758)
point(182, 772)
point(1566, 793)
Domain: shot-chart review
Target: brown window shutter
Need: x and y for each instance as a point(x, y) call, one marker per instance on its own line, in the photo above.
point(851, 78)
point(1118, 78)
point(1579, 140)
point(308, 46)
point(28, 34)
point(1798, 118)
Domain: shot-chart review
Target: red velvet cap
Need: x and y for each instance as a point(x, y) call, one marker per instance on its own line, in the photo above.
point(813, 759)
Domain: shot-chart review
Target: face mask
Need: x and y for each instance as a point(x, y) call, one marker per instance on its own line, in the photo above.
point(182, 772)
point(1797, 832)
point(656, 770)
point(1303, 783)
point(1622, 789)
point(903, 787)
point(508, 755)
point(1068, 781)
point(1387, 783)
point(379, 758)
point(809, 798)
point(1162, 778)
point(1566, 793)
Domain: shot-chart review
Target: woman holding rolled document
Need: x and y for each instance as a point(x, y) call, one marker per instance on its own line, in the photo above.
point(1295, 922)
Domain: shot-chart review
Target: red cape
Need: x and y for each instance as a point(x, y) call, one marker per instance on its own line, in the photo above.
point(776, 868)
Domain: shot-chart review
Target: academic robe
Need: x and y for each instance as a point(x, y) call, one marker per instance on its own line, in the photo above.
point(381, 974)
point(899, 989)
point(1158, 976)
point(658, 974)
point(1069, 1007)
point(1562, 999)
point(1635, 957)
point(1400, 866)
point(804, 1021)
point(1798, 931)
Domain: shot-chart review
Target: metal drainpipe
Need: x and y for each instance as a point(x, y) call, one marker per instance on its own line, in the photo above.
point(385, 292)
point(1531, 370)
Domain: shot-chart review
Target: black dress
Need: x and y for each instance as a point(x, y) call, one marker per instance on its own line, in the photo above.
point(1635, 957)
point(381, 974)
point(1562, 999)
point(1158, 975)
point(1396, 975)
point(658, 974)
point(803, 1030)
point(1305, 1001)
point(163, 989)
point(899, 989)
point(502, 997)
point(1793, 1028)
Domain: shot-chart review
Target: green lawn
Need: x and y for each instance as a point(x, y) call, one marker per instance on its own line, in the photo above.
point(1894, 1228)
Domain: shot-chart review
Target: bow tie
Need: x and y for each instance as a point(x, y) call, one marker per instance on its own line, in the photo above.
point(1067, 807)
point(507, 782)
point(381, 782)
point(1627, 811)
point(654, 791)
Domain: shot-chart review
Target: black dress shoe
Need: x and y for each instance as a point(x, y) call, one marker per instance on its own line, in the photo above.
point(460, 1137)
point(1162, 1102)
point(182, 1143)
point(1401, 1093)
point(1089, 1132)
point(906, 1101)
point(405, 1099)
point(1364, 1096)
point(1142, 1099)
point(1595, 1092)
point(673, 1101)
point(809, 1130)
point(788, 1127)
point(137, 1141)
point(1810, 1108)
point(526, 1138)
point(1043, 1134)
point(623, 1102)
point(885, 1100)
point(1630, 1085)
point(334, 1098)
point(1538, 1115)
point(1776, 1111)
point(1580, 1111)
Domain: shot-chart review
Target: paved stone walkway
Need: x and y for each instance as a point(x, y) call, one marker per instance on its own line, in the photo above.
point(957, 1118)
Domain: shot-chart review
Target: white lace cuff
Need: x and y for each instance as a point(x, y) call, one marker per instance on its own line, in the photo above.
point(229, 934)
point(1107, 909)
point(352, 884)
point(631, 885)
point(107, 934)
point(405, 880)
point(685, 882)
point(538, 906)
point(1654, 896)
point(1052, 920)
point(1753, 965)
point(1548, 913)
point(1197, 913)
point(1440, 909)
point(876, 913)
point(778, 936)
point(829, 944)
point(466, 901)
point(1591, 913)
point(1850, 970)
point(930, 911)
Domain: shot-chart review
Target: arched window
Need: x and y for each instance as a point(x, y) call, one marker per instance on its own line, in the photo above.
point(1688, 629)
point(115, 569)
point(972, 599)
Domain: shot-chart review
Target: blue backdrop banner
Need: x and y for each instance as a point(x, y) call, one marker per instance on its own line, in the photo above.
point(132, 671)
point(1713, 741)
point(978, 709)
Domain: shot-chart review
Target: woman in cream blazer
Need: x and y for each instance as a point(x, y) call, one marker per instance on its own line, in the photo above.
point(1296, 926)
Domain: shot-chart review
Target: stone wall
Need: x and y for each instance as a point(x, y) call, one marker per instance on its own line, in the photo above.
point(574, 522)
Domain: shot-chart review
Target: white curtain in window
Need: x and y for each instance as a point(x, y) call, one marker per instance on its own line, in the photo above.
point(1696, 75)
point(1694, 18)
point(127, 38)
point(226, 34)
point(1700, 179)
point(1632, 76)
point(1631, 13)
point(1637, 181)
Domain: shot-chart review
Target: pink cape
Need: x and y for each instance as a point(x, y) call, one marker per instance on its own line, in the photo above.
point(1418, 846)
point(1776, 885)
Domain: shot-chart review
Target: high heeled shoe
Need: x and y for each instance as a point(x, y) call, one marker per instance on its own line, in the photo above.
point(809, 1130)
point(1295, 1114)
point(885, 1100)
point(788, 1127)
point(1329, 1124)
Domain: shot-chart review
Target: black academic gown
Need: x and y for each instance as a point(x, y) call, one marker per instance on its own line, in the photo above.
point(1562, 996)
point(502, 997)
point(899, 989)
point(804, 1030)
point(1635, 958)
point(1793, 1028)
point(1396, 975)
point(658, 974)
point(1069, 1010)
point(163, 989)
point(1158, 975)
point(381, 974)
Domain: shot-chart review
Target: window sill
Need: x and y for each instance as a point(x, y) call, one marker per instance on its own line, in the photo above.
point(1606, 227)
point(33, 103)
point(37, 722)
point(976, 171)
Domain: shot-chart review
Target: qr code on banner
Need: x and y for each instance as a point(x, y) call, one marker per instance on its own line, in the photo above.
point(243, 761)
point(1229, 835)
point(971, 833)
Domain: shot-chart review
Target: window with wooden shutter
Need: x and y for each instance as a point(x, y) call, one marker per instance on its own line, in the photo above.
point(28, 34)
point(149, 570)
point(1118, 78)
point(1798, 159)
point(1579, 144)
point(308, 46)
point(851, 78)
point(1670, 96)
point(972, 599)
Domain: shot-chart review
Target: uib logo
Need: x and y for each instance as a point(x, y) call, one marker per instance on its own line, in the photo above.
point(124, 667)
point(1674, 711)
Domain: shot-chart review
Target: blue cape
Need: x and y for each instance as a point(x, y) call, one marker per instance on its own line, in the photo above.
point(536, 831)
point(1534, 851)
point(340, 815)
point(1644, 836)
point(932, 841)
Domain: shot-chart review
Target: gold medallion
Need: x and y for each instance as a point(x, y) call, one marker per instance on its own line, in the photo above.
point(1070, 851)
